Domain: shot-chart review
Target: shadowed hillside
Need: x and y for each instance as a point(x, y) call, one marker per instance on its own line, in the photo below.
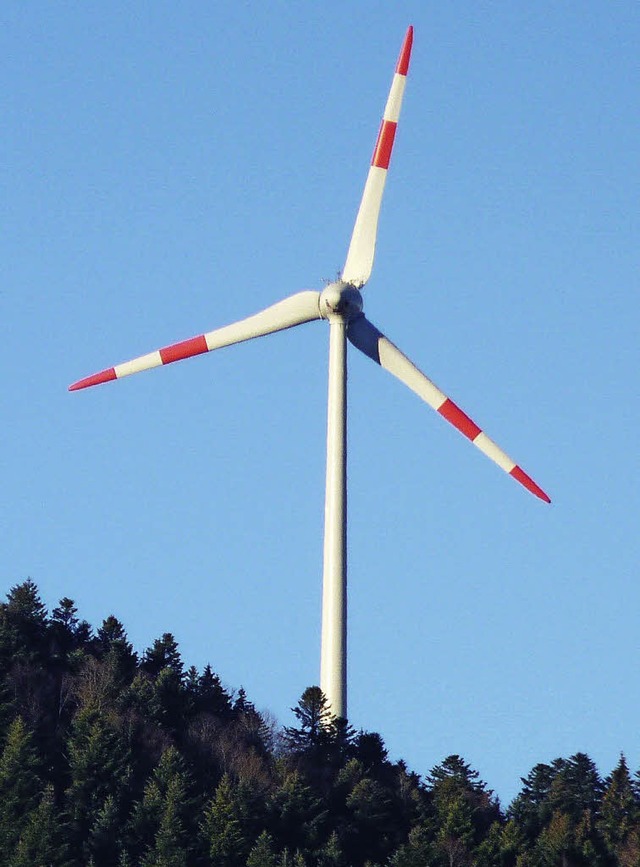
point(114, 759)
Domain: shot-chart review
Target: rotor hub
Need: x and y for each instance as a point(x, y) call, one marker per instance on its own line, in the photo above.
point(340, 300)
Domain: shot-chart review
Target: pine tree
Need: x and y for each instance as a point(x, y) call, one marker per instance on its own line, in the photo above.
point(619, 817)
point(63, 627)
point(532, 809)
point(371, 834)
point(369, 748)
point(20, 784)
point(331, 854)
point(465, 809)
point(114, 646)
point(99, 767)
point(23, 626)
point(164, 820)
point(418, 851)
point(172, 841)
point(163, 654)
point(105, 834)
point(211, 696)
point(513, 844)
point(170, 700)
point(225, 825)
point(555, 842)
point(455, 835)
point(262, 854)
point(576, 787)
point(314, 716)
point(40, 842)
point(296, 815)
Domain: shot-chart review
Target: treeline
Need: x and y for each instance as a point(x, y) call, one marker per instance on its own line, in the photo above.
point(114, 759)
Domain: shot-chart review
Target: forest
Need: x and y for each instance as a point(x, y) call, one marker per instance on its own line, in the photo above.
point(110, 758)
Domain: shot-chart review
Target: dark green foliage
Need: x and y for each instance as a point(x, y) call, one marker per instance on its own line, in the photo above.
point(619, 814)
point(20, 784)
point(163, 654)
point(99, 774)
point(262, 854)
point(23, 625)
point(314, 718)
point(113, 645)
point(225, 826)
point(296, 815)
point(41, 840)
point(111, 760)
point(162, 823)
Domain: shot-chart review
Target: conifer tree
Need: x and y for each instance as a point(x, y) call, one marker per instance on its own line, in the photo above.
point(331, 854)
point(369, 748)
point(417, 851)
point(163, 654)
point(105, 833)
point(619, 816)
point(262, 854)
point(172, 842)
point(532, 809)
point(455, 835)
point(40, 842)
point(372, 835)
point(465, 808)
point(63, 627)
point(225, 827)
point(114, 646)
point(314, 717)
point(19, 784)
point(100, 769)
point(166, 814)
point(23, 625)
point(296, 815)
point(212, 697)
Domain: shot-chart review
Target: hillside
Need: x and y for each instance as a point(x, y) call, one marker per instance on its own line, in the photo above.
point(112, 758)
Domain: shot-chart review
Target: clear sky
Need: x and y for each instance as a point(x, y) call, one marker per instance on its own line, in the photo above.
point(169, 168)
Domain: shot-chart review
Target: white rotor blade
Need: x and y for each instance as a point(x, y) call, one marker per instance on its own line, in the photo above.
point(357, 268)
point(366, 337)
point(299, 308)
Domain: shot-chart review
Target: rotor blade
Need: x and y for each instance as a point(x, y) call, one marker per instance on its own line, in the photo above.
point(299, 308)
point(366, 337)
point(357, 268)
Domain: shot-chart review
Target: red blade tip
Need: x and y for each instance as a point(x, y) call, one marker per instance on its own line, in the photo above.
point(529, 484)
point(405, 53)
point(94, 379)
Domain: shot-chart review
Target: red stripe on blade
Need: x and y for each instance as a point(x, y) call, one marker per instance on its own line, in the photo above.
point(529, 484)
point(382, 151)
point(95, 379)
point(184, 349)
point(459, 419)
point(405, 53)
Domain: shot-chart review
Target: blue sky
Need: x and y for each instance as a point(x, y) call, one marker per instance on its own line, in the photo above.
point(170, 168)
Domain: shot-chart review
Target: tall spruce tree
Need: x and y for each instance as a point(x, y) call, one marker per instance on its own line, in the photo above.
point(262, 854)
point(99, 766)
point(41, 840)
point(619, 817)
point(314, 718)
point(226, 826)
point(23, 626)
point(20, 785)
point(166, 815)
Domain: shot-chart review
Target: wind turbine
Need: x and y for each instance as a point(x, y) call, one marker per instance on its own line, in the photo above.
point(340, 304)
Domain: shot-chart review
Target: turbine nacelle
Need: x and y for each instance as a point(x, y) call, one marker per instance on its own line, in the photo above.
point(340, 300)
